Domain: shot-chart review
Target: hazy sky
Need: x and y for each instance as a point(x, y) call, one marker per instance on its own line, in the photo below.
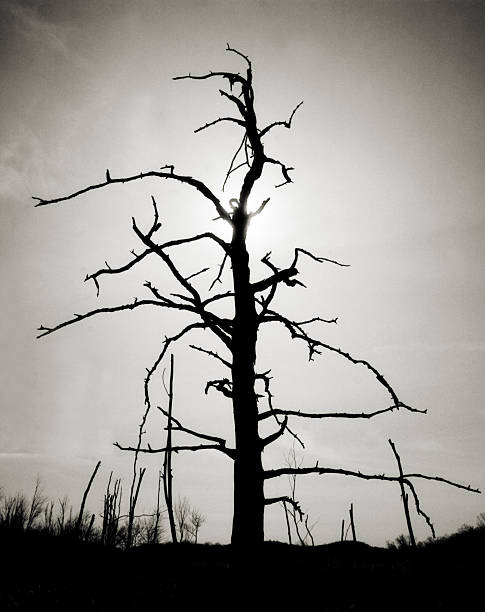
point(389, 154)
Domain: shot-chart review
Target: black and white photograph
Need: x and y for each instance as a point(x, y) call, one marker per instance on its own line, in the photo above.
point(242, 256)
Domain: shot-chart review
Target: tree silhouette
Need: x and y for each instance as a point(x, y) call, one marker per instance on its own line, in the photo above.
point(252, 303)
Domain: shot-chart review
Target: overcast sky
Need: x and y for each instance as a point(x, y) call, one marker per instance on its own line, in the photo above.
point(389, 153)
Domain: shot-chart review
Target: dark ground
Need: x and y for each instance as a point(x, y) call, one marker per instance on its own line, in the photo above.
point(53, 573)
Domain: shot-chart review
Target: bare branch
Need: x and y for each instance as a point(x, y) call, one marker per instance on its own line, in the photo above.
point(265, 302)
point(444, 481)
point(171, 243)
point(419, 510)
point(245, 57)
point(315, 258)
point(179, 427)
point(208, 235)
point(277, 434)
point(159, 250)
point(285, 170)
point(219, 120)
point(286, 124)
point(342, 472)
point(219, 296)
point(141, 428)
point(211, 354)
point(285, 499)
point(269, 396)
point(223, 385)
point(191, 276)
point(125, 268)
point(231, 165)
point(135, 304)
point(188, 180)
point(404, 495)
point(334, 415)
point(218, 326)
point(240, 105)
point(232, 77)
point(149, 450)
point(285, 276)
point(219, 274)
point(282, 276)
point(260, 208)
point(315, 319)
point(137, 258)
point(314, 347)
point(156, 225)
point(166, 344)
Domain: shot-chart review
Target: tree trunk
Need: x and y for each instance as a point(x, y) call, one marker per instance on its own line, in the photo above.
point(248, 517)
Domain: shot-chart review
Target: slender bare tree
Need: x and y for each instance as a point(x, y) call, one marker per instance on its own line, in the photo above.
point(252, 304)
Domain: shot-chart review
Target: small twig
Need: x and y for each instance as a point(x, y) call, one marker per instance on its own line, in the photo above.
point(231, 165)
point(191, 276)
point(211, 123)
point(221, 268)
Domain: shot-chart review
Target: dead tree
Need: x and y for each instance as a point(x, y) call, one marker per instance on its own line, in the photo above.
point(197, 519)
point(135, 490)
point(252, 304)
point(405, 498)
point(111, 513)
point(167, 474)
point(352, 524)
point(79, 521)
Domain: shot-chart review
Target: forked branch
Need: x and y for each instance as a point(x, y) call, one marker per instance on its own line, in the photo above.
point(286, 124)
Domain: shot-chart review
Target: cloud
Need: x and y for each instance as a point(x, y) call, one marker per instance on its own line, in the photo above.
point(36, 29)
point(19, 455)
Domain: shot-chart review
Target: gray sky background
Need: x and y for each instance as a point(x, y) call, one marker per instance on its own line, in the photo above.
point(389, 153)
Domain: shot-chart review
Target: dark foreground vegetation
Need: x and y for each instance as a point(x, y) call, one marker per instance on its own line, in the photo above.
point(59, 572)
